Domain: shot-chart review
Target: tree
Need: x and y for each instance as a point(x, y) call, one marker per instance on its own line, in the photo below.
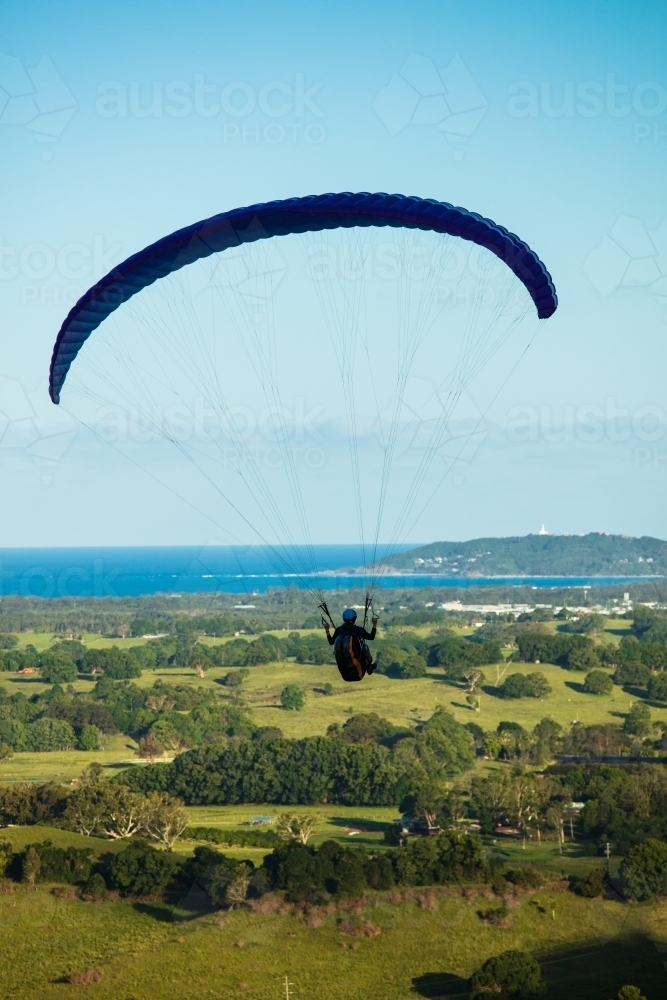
point(292, 698)
point(538, 685)
point(57, 667)
point(548, 731)
point(92, 775)
point(452, 811)
point(226, 880)
point(237, 888)
point(297, 826)
point(48, 734)
point(199, 661)
point(31, 866)
point(6, 854)
point(118, 664)
point(630, 993)
point(235, 678)
point(518, 685)
point(86, 808)
point(632, 674)
point(412, 667)
point(164, 819)
point(149, 747)
point(598, 682)
point(122, 812)
point(638, 720)
point(143, 626)
point(657, 687)
point(583, 658)
point(512, 975)
point(142, 870)
point(426, 800)
point(474, 678)
point(89, 738)
point(643, 870)
point(366, 728)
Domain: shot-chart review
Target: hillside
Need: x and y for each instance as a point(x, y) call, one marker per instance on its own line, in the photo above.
point(595, 554)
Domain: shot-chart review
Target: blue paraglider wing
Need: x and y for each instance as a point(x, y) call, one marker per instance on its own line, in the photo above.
point(281, 218)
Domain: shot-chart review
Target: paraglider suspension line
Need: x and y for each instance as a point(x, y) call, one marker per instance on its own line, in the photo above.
point(325, 611)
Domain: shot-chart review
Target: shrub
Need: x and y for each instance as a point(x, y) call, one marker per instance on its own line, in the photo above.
point(95, 887)
point(69, 865)
point(85, 977)
point(598, 682)
point(525, 877)
point(497, 916)
point(593, 884)
point(232, 838)
point(512, 975)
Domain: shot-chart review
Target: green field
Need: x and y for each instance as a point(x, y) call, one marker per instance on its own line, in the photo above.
point(410, 944)
point(403, 702)
point(426, 945)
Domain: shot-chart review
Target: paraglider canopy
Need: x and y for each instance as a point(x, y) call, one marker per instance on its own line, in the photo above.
point(280, 218)
point(383, 310)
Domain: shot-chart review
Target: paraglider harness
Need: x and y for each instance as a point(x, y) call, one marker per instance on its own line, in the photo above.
point(353, 657)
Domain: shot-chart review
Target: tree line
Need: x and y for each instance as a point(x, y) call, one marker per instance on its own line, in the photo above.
point(328, 768)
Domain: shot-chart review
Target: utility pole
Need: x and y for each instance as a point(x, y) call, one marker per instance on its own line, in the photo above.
point(288, 991)
point(607, 852)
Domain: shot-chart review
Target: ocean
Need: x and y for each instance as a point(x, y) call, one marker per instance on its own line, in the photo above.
point(135, 572)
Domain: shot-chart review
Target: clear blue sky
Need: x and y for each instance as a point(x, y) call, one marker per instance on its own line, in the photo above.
point(586, 188)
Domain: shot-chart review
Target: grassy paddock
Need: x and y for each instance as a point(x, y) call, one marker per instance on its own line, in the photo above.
point(65, 765)
point(148, 951)
point(21, 836)
point(402, 702)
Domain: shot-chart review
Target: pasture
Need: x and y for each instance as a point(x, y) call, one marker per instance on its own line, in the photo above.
point(402, 702)
point(419, 943)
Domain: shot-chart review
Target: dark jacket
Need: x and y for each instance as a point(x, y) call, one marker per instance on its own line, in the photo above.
point(346, 628)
